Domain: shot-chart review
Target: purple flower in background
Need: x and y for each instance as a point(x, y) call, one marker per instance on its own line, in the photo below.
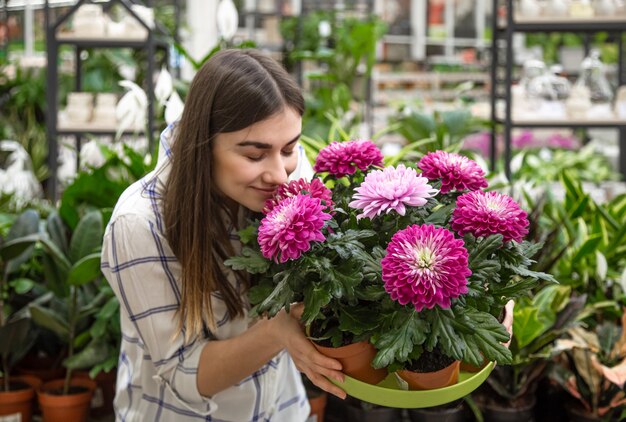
point(288, 230)
point(425, 266)
point(485, 213)
point(556, 140)
point(456, 171)
point(391, 189)
point(314, 188)
point(526, 139)
point(343, 158)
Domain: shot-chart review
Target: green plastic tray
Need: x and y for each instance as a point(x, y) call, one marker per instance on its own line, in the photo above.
point(389, 393)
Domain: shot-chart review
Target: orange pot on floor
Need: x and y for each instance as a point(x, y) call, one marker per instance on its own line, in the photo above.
point(356, 361)
point(19, 402)
point(431, 380)
point(102, 401)
point(318, 406)
point(65, 408)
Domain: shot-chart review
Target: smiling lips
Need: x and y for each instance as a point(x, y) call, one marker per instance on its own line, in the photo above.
point(268, 192)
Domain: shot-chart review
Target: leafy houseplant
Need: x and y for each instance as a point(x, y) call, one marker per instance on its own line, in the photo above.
point(412, 262)
point(15, 338)
point(537, 324)
point(593, 370)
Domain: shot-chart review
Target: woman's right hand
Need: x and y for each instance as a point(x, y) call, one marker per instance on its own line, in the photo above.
point(317, 367)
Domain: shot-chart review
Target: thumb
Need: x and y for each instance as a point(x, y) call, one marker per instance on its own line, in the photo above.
point(296, 310)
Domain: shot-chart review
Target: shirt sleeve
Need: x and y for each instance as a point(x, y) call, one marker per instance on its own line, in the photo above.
point(144, 273)
point(303, 169)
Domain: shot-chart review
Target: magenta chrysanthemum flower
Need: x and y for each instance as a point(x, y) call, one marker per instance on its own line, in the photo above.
point(486, 213)
point(288, 230)
point(342, 158)
point(425, 266)
point(391, 189)
point(455, 171)
point(314, 188)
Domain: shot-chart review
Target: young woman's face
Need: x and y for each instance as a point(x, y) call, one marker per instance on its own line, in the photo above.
point(248, 165)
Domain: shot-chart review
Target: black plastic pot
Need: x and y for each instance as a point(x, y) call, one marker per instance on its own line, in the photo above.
point(510, 414)
point(454, 414)
point(377, 414)
point(576, 414)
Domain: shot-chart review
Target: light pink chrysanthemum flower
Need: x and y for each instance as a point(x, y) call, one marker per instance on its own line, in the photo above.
point(342, 158)
point(391, 189)
point(314, 188)
point(486, 213)
point(425, 266)
point(288, 230)
point(456, 171)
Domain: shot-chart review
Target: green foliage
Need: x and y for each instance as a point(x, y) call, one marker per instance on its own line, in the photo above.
point(584, 242)
point(15, 249)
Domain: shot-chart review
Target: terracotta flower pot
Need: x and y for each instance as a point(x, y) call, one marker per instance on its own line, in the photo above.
point(468, 367)
point(74, 407)
point(431, 380)
point(19, 402)
point(318, 405)
point(356, 360)
point(102, 401)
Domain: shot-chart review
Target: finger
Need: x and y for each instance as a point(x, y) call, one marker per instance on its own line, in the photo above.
point(295, 310)
point(326, 385)
point(330, 373)
point(322, 361)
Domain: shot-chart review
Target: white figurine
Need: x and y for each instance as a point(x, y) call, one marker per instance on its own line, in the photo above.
point(578, 103)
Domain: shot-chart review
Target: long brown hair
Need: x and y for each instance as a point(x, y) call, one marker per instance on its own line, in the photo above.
point(233, 90)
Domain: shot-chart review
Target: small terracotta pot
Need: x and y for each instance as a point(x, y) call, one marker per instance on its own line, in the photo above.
point(318, 406)
point(19, 401)
point(356, 361)
point(468, 367)
point(64, 408)
point(102, 401)
point(431, 380)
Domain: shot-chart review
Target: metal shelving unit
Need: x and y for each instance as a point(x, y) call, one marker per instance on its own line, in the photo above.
point(502, 74)
point(54, 41)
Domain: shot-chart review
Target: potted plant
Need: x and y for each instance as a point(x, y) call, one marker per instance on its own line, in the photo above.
point(537, 323)
point(592, 370)
point(16, 393)
point(71, 268)
point(342, 256)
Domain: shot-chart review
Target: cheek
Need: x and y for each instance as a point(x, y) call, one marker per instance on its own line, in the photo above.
point(291, 163)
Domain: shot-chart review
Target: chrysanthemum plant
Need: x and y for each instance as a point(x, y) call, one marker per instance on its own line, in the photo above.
point(414, 259)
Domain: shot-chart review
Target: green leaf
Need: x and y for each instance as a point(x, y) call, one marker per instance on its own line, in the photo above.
point(488, 336)
point(398, 341)
point(588, 247)
point(526, 325)
point(247, 235)
point(444, 333)
point(315, 297)
point(22, 285)
point(13, 336)
point(250, 260)
point(357, 320)
point(87, 237)
point(26, 224)
point(85, 270)
point(281, 296)
point(51, 320)
point(57, 231)
point(97, 351)
point(15, 248)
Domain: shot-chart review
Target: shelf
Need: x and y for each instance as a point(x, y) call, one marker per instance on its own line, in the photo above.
point(566, 24)
point(102, 42)
point(547, 123)
point(93, 128)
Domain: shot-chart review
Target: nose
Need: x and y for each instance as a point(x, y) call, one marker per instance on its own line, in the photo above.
point(276, 173)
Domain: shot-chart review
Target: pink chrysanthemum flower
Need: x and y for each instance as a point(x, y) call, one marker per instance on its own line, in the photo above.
point(342, 158)
point(314, 188)
point(288, 230)
point(391, 189)
point(425, 266)
point(455, 171)
point(486, 213)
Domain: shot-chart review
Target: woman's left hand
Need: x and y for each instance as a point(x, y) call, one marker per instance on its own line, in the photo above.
point(508, 319)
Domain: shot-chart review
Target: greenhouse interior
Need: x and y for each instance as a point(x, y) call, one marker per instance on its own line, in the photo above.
point(398, 210)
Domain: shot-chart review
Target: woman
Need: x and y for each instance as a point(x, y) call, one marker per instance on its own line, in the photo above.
point(189, 349)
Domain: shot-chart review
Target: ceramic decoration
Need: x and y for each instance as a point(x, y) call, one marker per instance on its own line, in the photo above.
point(581, 9)
point(227, 19)
point(88, 21)
point(578, 103)
point(605, 7)
point(592, 75)
point(529, 8)
point(556, 8)
point(620, 102)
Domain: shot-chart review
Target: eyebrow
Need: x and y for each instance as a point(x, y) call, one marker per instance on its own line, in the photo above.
point(263, 145)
